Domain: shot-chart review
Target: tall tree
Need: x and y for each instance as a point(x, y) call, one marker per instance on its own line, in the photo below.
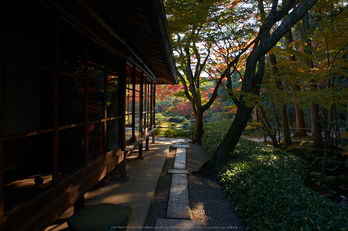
point(300, 122)
point(331, 44)
point(317, 74)
point(187, 20)
point(283, 110)
point(267, 125)
point(193, 25)
point(254, 71)
point(316, 125)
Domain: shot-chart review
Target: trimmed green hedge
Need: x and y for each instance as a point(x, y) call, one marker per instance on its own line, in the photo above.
point(266, 185)
point(158, 131)
point(170, 133)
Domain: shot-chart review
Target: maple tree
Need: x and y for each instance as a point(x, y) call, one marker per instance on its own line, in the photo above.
point(325, 48)
point(192, 49)
point(171, 101)
point(199, 30)
point(164, 92)
point(229, 42)
point(317, 76)
point(328, 57)
point(278, 21)
point(168, 103)
point(312, 72)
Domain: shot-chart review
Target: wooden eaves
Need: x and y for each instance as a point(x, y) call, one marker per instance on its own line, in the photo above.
point(142, 26)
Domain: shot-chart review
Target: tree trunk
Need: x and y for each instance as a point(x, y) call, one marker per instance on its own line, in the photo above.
point(268, 126)
point(275, 114)
point(197, 139)
point(316, 126)
point(285, 123)
point(330, 128)
point(285, 119)
point(300, 123)
point(192, 91)
point(346, 80)
point(323, 167)
point(229, 142)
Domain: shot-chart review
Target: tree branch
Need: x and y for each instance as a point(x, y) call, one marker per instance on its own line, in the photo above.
point(186, 91)
point(286, 25)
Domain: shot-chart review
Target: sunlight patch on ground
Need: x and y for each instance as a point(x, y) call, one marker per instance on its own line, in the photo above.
point(198, 212)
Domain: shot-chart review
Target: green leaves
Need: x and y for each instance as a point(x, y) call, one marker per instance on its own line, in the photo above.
point(267, 187)
point(320, 52)
point(170, 133)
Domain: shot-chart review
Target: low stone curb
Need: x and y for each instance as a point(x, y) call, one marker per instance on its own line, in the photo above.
point(178, 210)
point(178, 171)
point(176, 224)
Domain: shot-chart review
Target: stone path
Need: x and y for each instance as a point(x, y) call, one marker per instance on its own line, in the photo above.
point(178, 212)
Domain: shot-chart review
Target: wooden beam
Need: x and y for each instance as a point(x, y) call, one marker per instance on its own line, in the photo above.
point(133, 103)
point(55, 145)
point(154, 111)
point(144, 38)
point(121, 15)
point(2, 33)
point(122, 110)
point(105, 104)
point(86, 136)
point(141, 109)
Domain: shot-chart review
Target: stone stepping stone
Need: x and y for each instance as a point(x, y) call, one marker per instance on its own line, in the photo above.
point(181, 146)
point(178, 224)
point(178, 204)
point(178, 141)
point(101, 217)
point(180, 159)
point(178, 171)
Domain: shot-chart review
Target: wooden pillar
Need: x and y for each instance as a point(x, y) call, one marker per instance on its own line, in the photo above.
point(79, 205)
point(105, 105)
point(144, 106)
point(141, 114)
point(153, 138)
point(122, 118)
point(153, 99)
point(55, 146)
point(147, 147)
point(152, 118)
point(1, 126)
point(86, 138)
point(133, 104)
point(148, 111)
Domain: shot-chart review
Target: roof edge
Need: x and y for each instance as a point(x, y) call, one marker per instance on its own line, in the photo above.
point(163, 36)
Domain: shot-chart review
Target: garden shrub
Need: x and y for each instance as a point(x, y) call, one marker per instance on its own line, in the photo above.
point(159, 117)
point(170, 133)
point(266, 185)
point(158, 131)
point(181, 133)
point(180, 118)
point(214, 131)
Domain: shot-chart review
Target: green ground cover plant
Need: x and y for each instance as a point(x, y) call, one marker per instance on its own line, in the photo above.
point(266, 185)
point(173, 129)
point(170, 133)
point(158, 132)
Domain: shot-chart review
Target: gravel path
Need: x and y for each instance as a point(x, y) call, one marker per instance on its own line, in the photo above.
point(207, 200)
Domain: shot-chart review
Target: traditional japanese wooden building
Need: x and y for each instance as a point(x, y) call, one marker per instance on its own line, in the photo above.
point(77, 87)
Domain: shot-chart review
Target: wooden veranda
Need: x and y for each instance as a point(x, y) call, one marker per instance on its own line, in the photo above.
point(78, 81)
